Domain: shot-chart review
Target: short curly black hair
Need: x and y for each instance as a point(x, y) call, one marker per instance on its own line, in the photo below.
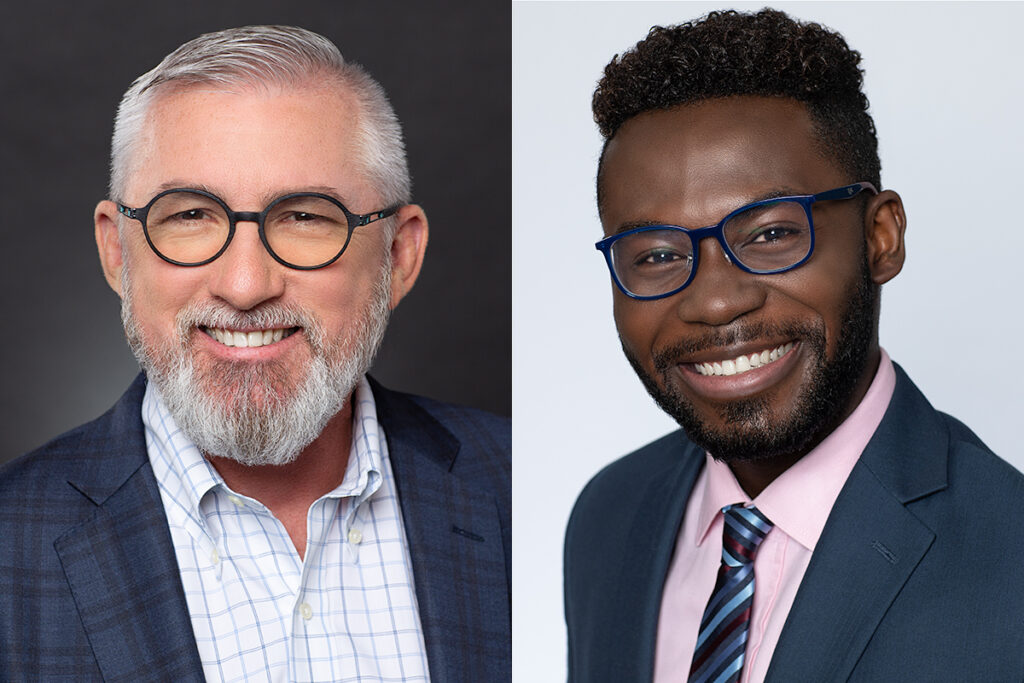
point(733, 53)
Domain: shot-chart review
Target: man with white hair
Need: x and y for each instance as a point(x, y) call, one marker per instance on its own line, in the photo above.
point(254, 507)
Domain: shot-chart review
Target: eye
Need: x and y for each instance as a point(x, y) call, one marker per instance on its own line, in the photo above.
point(772, 233)
point(191, 215)
point(659, 257)
point(301, 217)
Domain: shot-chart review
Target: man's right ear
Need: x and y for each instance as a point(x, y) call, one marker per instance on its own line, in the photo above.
point(108, 242)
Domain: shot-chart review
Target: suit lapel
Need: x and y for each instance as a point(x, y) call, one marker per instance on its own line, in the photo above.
point(630, 634)
point(455, 540)
point(870, 546)
point(119, 561)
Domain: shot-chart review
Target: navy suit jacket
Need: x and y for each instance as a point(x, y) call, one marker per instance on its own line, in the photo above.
point(918, 574)
point(89, 583)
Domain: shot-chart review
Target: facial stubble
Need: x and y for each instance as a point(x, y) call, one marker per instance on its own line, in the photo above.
point(749, 432)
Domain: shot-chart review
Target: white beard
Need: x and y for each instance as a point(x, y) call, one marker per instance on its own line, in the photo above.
point(249, 413)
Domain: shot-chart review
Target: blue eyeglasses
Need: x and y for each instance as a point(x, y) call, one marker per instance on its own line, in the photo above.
point(769, 236)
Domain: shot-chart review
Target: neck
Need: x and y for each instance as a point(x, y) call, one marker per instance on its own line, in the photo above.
point(289, 490)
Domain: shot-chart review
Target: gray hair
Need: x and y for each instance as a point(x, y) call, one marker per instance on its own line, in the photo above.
point(264, 56)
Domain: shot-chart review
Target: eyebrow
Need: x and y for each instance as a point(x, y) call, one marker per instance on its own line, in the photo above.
point(265, 200)
point(770, 194)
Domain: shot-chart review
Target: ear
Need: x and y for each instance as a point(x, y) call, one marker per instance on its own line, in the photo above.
point(407, 249)
point(108, 242)
point(885, 224)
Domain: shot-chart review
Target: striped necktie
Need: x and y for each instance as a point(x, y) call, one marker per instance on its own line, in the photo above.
point(722, 640)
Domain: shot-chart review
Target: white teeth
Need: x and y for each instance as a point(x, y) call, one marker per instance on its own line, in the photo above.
point(738, 366)
point(247, 339)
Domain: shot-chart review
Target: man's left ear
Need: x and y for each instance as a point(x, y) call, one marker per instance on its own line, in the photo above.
point(407, 249)
point(884, 225)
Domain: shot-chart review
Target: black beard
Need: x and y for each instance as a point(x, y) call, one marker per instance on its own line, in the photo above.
point(819, 408)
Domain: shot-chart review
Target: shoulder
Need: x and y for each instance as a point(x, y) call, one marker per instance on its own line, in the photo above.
point(472, 426)
point(915, 434)
point(621, 484)
point(53, 475)
point(473, 444)
point(980, 480)
point(34, 478)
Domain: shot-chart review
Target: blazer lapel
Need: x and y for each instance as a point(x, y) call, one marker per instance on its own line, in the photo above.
point(630, 634)
point(119, 562)
point(456, 542)
point(870, 546)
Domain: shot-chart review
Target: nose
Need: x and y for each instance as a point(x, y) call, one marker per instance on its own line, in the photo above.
point(719, 292)
point(246, 275)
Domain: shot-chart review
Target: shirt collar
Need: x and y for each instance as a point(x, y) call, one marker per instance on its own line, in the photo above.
point(187, 476)
point(800, 499)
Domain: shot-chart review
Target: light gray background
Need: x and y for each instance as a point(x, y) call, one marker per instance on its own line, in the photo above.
point(946, 92)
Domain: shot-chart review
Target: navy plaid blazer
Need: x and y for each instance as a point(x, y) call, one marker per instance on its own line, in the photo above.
point(89, 583)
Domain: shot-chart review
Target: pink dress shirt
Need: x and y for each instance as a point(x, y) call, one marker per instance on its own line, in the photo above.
point(798, 503)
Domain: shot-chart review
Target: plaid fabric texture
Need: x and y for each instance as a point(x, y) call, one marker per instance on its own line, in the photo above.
point(89, 583)
point(346, 613)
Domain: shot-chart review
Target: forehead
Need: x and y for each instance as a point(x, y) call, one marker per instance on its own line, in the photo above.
point(693, 164)
point(242, 142)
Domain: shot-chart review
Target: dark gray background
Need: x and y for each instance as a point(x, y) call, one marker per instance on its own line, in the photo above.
point(446, 67)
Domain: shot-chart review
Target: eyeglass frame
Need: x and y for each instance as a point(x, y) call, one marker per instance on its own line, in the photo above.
point(259, 217)
point(717, 231)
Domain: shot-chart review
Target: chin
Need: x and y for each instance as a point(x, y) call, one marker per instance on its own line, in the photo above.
point(760, 427)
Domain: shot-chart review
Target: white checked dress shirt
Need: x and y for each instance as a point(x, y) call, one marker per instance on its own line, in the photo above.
point(259, 613)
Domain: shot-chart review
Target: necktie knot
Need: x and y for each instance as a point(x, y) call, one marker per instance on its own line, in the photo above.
point(742, 533)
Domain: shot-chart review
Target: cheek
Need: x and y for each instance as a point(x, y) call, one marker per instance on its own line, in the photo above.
point(820, 295)
point(640, 323)
point(337, 299)
point(158, 294)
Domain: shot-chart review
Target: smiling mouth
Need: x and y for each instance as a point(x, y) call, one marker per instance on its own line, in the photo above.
point(744, 363)
point(249, 339)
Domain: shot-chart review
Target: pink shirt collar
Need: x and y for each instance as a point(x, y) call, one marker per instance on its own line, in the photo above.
point(800, 500)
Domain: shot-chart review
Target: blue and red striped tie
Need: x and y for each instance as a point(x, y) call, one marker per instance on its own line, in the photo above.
point(722, 641)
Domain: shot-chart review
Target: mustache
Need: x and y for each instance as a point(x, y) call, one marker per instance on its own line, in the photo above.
point(271, 315)
point(668, 356)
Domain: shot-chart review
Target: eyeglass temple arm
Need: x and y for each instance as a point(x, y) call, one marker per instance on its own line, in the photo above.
point(845, 192)
point(367, 218)
point(127, 211)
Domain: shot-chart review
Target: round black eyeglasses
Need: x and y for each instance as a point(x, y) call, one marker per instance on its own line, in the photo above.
point(769, 236)
point(305, 230)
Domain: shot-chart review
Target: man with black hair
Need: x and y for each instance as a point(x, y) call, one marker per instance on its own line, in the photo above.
point(815, 519)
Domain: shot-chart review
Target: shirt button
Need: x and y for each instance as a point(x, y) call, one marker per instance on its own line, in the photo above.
point(214, 557)
point(306, 611)
point(355, 536)
point(236, 500)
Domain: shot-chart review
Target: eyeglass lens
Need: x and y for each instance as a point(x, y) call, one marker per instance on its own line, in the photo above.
point(765, 238)
point(191, 228)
